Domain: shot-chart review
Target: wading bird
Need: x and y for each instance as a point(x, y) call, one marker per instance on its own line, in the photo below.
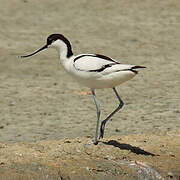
point(94, 71)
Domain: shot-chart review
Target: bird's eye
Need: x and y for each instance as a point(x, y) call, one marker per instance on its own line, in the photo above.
point(50, 41)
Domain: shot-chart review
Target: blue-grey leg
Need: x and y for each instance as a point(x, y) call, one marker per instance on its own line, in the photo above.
point(95, 141)
point(116, 110)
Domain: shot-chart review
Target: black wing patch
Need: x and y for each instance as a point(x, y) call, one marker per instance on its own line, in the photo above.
point(96, 55)
point(102, 68)
point(99, 56)
point(104, 57)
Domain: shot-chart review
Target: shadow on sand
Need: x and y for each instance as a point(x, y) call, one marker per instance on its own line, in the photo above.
point(133, 149)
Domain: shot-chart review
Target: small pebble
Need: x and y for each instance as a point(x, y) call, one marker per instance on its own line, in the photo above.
point(87, 168)
point(170, 174)
point(117, 130)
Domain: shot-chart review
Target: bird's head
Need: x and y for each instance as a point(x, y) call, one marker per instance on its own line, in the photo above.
point(54, 41)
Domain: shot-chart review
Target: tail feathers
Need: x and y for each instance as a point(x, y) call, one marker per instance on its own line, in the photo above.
point(137, 67)
point(122, 67)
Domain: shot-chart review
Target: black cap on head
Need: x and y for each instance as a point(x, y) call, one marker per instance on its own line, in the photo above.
point(53, 37)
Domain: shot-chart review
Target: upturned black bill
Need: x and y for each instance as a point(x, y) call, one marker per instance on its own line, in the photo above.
point(44, 47)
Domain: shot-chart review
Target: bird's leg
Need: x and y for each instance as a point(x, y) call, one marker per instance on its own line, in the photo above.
point(95, 141)
point(116, 110)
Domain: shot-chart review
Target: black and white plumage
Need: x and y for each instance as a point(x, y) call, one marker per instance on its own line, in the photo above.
point(91, 70)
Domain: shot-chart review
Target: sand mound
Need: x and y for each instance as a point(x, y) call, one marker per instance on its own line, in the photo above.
point(142, 156)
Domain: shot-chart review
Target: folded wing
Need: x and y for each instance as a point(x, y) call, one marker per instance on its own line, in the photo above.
point(102, 64)
point(93, 62)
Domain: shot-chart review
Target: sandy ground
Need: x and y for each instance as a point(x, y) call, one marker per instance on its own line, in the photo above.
point(39, 101)
point(132, 157)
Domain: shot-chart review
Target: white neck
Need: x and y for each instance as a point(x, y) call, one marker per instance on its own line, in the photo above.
point(62, 49)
